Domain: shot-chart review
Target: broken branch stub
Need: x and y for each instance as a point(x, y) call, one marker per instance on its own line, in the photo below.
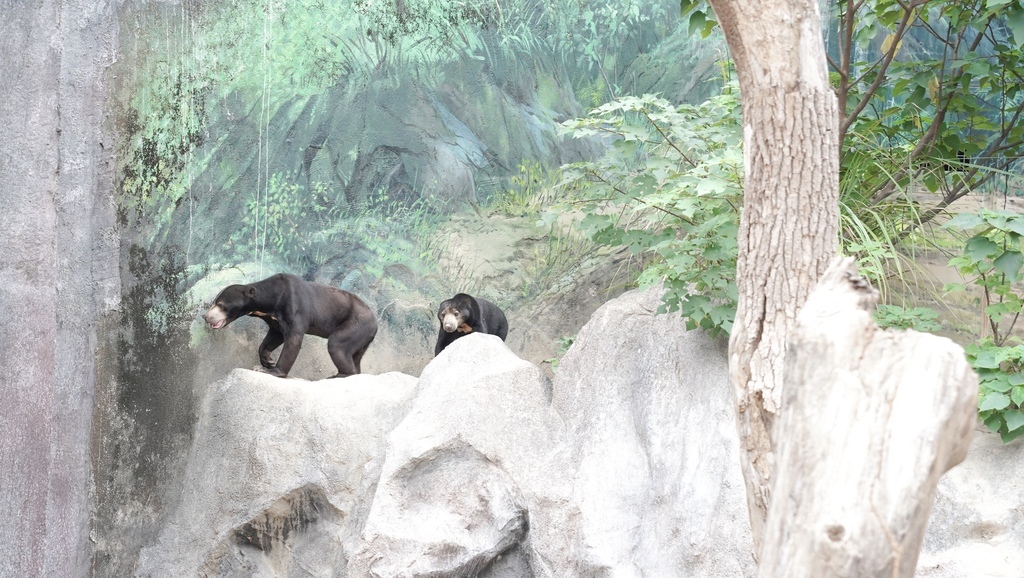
point(871, 419)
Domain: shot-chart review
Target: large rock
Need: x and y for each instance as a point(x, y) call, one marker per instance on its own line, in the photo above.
point(626, 465)
point(626, 468)
point(976, 528)
point(652, 432)
point(631, 471)
point(280, 476)
point(476, 480)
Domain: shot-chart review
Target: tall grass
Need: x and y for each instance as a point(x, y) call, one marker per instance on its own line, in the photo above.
point(554, 262)
point(875, 233)
point(528, 192)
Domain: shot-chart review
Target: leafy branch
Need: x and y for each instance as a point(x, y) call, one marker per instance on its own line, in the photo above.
point(667, 188)
point(992, 261)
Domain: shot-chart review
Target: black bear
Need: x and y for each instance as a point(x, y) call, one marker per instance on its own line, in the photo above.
point(465, 314)
point(292, 308)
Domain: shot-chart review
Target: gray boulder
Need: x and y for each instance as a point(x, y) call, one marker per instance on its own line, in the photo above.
point(625, 465)
point(628, 466)
point(279, 477)
point(475, 480)
point(976, 528)
point(652, 432)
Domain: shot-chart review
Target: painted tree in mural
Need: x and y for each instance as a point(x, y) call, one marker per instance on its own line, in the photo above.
point(867, 420)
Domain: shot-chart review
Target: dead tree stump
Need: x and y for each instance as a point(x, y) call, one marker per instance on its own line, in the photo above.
point(870, 420)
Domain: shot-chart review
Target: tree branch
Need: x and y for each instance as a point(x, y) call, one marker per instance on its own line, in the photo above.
point(908, 13)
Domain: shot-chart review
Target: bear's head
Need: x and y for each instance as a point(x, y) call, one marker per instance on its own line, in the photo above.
point(455, 314)
point(233, 302)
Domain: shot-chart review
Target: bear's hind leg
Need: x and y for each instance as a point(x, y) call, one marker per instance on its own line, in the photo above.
point(340, 346)
point(357, 357)
point(347, 346)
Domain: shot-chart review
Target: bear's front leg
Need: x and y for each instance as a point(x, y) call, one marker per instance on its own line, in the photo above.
point(444, 339)
point(292, 344)
point(272, 341)
point(276, 372)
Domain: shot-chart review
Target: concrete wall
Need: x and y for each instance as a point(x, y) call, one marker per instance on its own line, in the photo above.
point(58, 274)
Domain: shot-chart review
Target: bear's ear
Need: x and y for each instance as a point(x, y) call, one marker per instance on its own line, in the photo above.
point(250, 292)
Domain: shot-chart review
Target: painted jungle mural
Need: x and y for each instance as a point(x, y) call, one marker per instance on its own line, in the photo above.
point(404, 151)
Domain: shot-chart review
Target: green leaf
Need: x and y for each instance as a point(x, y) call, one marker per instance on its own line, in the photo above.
point(709, 25)
point(1012, 435)
point(980, 247)
point(1017, 395)
point(986, 375)
point(986, 359)
point(687, 5)
point(994, 400)
point(965, 221)
point(697, 22)
point(919, 96)
point(997, 219)
point(994, 422)
point(1014, 419)
point(1015, 22)
point(1015, 225)
point(1000, 383)
point(996, 310)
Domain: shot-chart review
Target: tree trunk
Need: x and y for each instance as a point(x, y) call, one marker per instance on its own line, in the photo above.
point(789, 227)
point(871, 419)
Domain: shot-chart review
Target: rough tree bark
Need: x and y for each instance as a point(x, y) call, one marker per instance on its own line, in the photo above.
point(872, 418)
point(789, 227)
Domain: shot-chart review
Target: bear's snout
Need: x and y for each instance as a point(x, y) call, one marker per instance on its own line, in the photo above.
point(215, 317)
point(450, 323)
